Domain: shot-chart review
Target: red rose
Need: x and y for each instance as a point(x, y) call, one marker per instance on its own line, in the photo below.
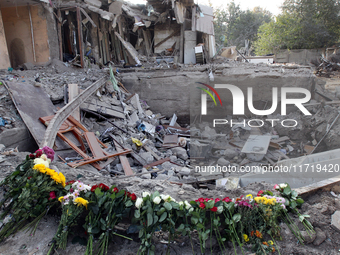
point(260, 193)
point(208, 199)
point(103, 187)
point(38, 153)
point(227, 199)
point(31, 156)
point(52, 195)
point(93, 188)
point(133, 197)
point(217, 200)
point(202, 205)
point(201, 200)
point(70, 182)
point(115, 190)
point(71, 190)
point(214, 209)
point(128, 194)
point(29, 177)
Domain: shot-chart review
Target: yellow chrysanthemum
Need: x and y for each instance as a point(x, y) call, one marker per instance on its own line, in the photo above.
point(258, 199)
point(62, 179)
point(272, 201)
point(245, 237)
point(40, 167)
point(81, 201)
point(56, 178)
point(270, 242)
point(249, 196)
point(61, 199)
point(50, 172)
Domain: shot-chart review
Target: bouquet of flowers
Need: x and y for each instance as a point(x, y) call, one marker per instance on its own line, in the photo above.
point(107, 208)
point(152, 210)
point(73, 205)
point(32, 191)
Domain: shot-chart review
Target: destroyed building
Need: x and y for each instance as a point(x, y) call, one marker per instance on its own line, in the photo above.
point(112, 88)
point(96, 31)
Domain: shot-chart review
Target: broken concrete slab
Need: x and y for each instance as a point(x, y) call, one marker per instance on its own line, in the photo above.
point(180, 153)
point(320, 237)
point(336, 220)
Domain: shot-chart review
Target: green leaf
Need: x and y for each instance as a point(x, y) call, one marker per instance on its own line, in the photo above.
point(140, 234)
point(155, 219)
point(162, 218)
point(149, 219)
point(287, 190)
point(137, 214)
point(155, 194)
point(98, 192)
point(237, 217)
point(167, 206)
point(194, 220)
point(161, 211)
point(181, 227)
point(128, 203)
point(293, 204)
point(300, 201)
point(210, 204)
point(294, 193)
point(200, 226)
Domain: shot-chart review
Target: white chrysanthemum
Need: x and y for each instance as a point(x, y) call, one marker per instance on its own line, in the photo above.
point(157, 200)
point(180, 203)
point(87, 187)
point(139, 202)
point(41, 161)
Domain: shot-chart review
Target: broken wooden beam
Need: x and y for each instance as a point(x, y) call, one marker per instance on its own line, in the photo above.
point(80, 37)
point(63, 113)
point(129, 48)
point(167, 38)
point(123, 160)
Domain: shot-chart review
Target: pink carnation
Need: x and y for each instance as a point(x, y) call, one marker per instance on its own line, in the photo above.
point(49, 152)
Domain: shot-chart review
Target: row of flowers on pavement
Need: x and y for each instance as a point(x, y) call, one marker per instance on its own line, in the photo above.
point(250, 222)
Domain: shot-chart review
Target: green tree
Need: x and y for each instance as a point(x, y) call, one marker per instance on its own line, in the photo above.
point(303, 24)
point(224, 20)
point(246, 25)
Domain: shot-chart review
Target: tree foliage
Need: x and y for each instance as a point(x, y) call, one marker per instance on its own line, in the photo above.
point(233, 26)
point(303, 24)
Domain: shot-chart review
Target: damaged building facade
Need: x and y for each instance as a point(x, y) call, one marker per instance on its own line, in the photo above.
point(95, 31)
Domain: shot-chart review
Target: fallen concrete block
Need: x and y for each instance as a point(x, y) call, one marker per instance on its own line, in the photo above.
point(320, 237)
point(336, 220)
point(180, 153)
point(146, 175)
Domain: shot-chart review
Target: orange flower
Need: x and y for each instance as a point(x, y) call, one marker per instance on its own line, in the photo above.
point(258, 234)
point(252, 233)
point(273, 249)
point(265, 243)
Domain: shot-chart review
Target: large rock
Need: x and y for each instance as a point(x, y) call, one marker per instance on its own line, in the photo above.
point(147, 156)
point(308, 237)
point(230, 153)
point(180, 153)
point(336, 220)
point(147, 175)
point(320, 237)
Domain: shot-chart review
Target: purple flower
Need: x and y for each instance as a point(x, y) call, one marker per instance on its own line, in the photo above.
point(49, 152)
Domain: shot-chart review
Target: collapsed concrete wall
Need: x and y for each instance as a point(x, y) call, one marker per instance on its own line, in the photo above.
point(176, 92)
